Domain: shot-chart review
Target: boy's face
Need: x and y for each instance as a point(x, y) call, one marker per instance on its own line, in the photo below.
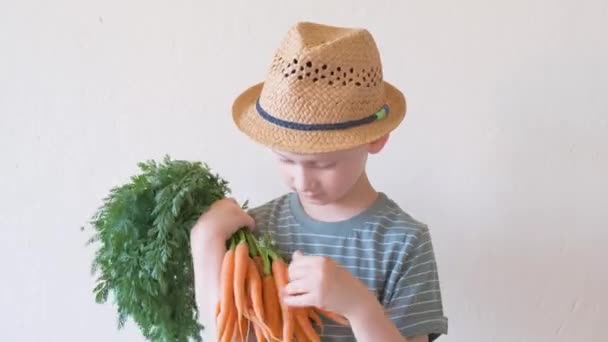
point(322, 178)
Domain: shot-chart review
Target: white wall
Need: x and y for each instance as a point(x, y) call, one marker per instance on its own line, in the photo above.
point(503, 151)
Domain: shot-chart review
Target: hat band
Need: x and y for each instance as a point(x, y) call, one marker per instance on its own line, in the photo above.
point(379, 115)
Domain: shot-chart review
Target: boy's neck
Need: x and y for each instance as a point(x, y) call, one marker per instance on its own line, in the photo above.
point(358, 199)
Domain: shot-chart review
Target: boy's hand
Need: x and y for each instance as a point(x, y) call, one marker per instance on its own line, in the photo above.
point(223, 218)
point(321, 282)
point(207, 243)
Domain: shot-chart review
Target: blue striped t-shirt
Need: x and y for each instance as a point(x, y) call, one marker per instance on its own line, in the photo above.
point(384, 247)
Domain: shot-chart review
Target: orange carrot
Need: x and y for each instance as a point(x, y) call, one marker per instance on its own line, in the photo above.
point(259, 335)
point(238, 332)
point(242, 333)
point(259, 326)
point(288, 325)
point(254, 282)
point(300, 335)
point(241, 262)
point(259, 264)
point(227, 299)
point(231, 324)
point(255, 290)
point(261, 330)
point(279, 270)
point(315, 317)
point(334, 316)
point(246, 326)
point(303, 322)
point(272, 308)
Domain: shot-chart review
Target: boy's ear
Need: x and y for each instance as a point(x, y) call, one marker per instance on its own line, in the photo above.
point(377, 145)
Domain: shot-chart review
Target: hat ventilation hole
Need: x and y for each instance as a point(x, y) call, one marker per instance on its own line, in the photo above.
point(344, 75)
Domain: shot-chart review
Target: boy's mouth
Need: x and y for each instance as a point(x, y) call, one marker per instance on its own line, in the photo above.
point(310, 194)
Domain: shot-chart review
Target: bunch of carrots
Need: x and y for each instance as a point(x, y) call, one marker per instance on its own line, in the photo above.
point(252, 277)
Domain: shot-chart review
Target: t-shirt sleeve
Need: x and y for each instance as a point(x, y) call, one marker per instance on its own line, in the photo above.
point(415, 305)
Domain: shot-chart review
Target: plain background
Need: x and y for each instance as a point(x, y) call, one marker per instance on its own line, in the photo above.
point(503, 151)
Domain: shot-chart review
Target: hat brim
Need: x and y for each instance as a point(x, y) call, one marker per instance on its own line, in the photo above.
point(248, 120)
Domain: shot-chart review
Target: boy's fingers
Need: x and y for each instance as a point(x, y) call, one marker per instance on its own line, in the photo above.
point(249, 221)
point(296, 272)
point(306, 299)
point(300, 265)
point(302, 259)
point(296, 287)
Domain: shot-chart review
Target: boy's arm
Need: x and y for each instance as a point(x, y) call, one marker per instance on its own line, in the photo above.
point(207, 255)
point(418, 339)
point(370, 323)
point(413, 299)
point(207, 246)
point(321, 282)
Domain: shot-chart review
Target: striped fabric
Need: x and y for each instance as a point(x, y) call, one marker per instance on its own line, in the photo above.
point(384, 247)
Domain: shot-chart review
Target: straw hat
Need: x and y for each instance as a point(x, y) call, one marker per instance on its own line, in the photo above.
point(324, 92)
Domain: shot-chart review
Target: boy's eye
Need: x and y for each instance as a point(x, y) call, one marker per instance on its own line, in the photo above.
point(326, 165)
point(286, 161)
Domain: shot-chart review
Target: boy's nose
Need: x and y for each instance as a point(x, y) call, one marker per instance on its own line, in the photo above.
point(302, 181)
point(302, 185)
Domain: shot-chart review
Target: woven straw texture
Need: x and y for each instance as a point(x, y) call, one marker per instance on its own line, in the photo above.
point(320, 75)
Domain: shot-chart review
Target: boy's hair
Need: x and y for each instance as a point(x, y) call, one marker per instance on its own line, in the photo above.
point(324, 92)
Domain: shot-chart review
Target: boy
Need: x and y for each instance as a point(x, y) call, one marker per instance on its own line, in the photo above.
point(323, 108)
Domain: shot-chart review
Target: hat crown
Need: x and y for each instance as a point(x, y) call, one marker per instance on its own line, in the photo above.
point(323, 75)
